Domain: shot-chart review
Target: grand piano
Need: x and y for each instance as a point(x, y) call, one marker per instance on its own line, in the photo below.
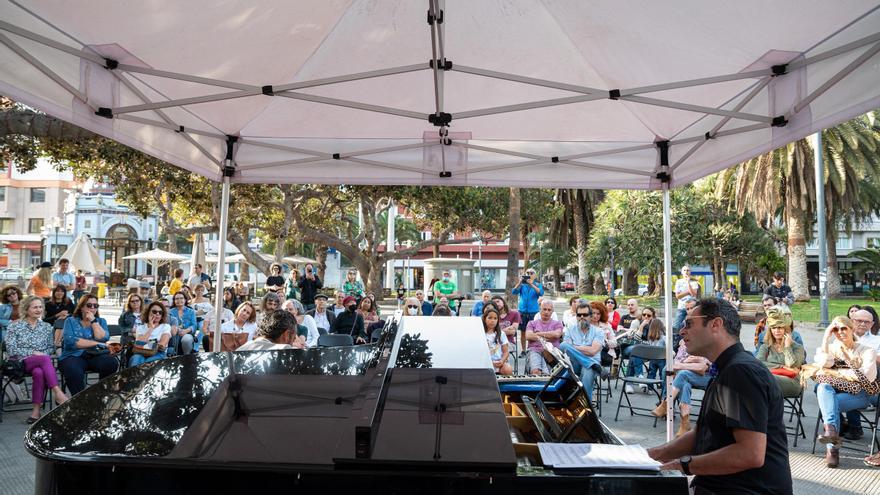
point(418, 411)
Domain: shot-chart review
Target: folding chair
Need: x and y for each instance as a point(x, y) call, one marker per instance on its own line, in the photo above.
point(795, 407)
point(872, 425)
point(646, 352)
point(335, 340)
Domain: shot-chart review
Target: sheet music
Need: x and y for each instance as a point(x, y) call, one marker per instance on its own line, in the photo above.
point(596, 456)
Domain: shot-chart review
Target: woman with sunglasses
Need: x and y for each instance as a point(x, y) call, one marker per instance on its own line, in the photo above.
point(412, 307)
point(155, 330)
point(854, 363)
point(84, 345)
point(131, 314)
point(613, 315)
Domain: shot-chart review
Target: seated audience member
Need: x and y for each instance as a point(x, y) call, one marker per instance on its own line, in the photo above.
point(441, 310)
point(367, 310)
point(656, 337)
point(863, 320)
point(444, 301)
point(350, 321)
point(58, 306)
point(272, 332)
point(569, 316)
point(486, 297)
point(690, 372)
point(323, 316)
point(636, 335)
point(201, 304)
point(781, 354)
point(30, 341)
point(499, 349)
point(80, 286)
point(852, 310)
point(84, 345)
point(306, 328)
point(412, 307)
point(338, 307)
point(779, 310)
point(230, 300)
point(184, 324)
point(208, 327)
point(600, 319)
point(40, 284)
point(154, 333)
point(537, 316)
point(427, 308)
point(767, 302)
point(10, 300)
point(847, 386)
point(613, 315)
point(780, 290)
point(131, 314)
point(544, 328)
point(510, 319)
point(632, 315)
point(245, 320)
point(270, 302)
point(583, 345)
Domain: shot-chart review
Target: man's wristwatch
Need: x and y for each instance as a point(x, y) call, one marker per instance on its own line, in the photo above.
point(685, 464)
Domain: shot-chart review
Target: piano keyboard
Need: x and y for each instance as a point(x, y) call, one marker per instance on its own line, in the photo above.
point(523, 378)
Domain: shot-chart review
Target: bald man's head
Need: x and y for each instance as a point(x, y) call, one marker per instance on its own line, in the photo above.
point(862, 322)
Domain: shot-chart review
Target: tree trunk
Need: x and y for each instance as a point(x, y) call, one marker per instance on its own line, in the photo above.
point(558, 285)
point(833, 280)
point(631, 282)
point(374, 278)
point(652, 283)
point(797, 254)
point(321, 258)
point(513, 218)
point(599, 284)
point(527, 247)
point(581, 243)
point(435, 251)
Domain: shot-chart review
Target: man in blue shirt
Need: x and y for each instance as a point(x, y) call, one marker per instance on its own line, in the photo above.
point(477, 310)
point(427, 308)
point(528, 290)
point(63, 276)
point(583, 345)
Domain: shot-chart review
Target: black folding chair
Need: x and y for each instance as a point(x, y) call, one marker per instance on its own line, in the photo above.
point(335, 340)
point(872, 425)
point(646, 352)
point(795, 407)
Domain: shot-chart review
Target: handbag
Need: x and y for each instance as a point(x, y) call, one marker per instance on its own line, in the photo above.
point(96, 351)
point(229, 341)
point(784, 372)
point(14, 369)
point(841, 383)
point(146, 348)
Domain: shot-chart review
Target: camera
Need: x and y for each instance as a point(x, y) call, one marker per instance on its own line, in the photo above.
point(525, 278)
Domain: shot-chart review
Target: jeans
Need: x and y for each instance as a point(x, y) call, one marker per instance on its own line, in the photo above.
point(43, 373)
point(854, 418)
point(74, 369)
point(139, 359)
point(832, 403)
point(685, 380)
point(585, 366)
point(185, 344)
point(636, 365)
point(655, 370)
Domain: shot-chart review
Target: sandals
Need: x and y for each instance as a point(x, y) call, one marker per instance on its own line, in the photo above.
point(872, 460)
point(31, 420)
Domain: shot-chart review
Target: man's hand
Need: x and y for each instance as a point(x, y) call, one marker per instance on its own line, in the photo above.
point(671, 466)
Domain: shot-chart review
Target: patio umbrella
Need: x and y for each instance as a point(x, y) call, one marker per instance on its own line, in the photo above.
point(83, 256)
point(198, 252)
point(156, 258)
point(298, 260)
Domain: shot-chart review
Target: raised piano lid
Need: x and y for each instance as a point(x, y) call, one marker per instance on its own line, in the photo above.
point(294, 408)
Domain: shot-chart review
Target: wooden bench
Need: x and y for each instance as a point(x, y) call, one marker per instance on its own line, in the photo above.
point(751, 311)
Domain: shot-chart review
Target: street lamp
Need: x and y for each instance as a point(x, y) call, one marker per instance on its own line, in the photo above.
point(611, 240)
point(56, 224)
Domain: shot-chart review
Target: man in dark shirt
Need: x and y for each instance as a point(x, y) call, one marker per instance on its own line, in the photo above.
point(309, 284)
point(780, 290)
point(739, 444)
point(350, 322)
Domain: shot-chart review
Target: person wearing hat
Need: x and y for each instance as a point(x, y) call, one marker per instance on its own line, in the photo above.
point(324, 318)
point(781, 354)
point(40, 284)
point(350, 322)
point(779, 311)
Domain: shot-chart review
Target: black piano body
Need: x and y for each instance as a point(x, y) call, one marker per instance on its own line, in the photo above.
point(416, 412)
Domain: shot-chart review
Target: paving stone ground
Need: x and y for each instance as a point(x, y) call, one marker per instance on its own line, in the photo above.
point(808, 470)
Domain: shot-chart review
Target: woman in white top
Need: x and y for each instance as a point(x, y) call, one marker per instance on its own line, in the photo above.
point(155, 332)
point(853, 362)
point(272, 332)
point(244, 321)
point(200, 303)
point(499, 348)
point(569, 316)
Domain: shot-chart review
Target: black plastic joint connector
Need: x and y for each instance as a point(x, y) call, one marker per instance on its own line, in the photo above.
point(110, 63)
point(554, 159)
point(709, 136)
point(180, 129)
point(336, 156)
point(440, 119)
point(614, 94)
point(230, 139)
point(444, 175)
point(228, 171)
point(267, 90)
point(780, 121)
point(779, 70)
point(663, 146)
point(105, 112)
point(338, 401)
point(447, 141)
point(440, 379)
point(441, 65)
point(663, 177)
point(438, 18)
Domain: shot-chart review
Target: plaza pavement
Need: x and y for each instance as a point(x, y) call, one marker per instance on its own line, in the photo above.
point(808, 470)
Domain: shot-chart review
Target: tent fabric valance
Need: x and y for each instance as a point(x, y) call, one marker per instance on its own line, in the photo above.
point(501, 93)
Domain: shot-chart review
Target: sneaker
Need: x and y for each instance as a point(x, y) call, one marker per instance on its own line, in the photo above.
point(643, 388)
point(628, 388)
point(853, 434)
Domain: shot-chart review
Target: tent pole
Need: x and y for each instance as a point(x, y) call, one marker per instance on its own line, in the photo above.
point(228, 170)
point(820, 220)
point(667, 306)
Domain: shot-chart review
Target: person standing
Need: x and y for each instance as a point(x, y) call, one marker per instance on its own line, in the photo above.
point(176, 282)
point(40, 284)
point(528, 290)
point(63, 276)
point(780, 290)
point(739, 444)
point(275, 281)
point(686, 288)
point(199, 277)
point(446, 287)
point(80, 286)
point(352, 286)
point(309, 284)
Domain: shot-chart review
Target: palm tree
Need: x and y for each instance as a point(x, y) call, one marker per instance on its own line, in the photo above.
point(781, 185)
point(514, 217)
point(572, 228)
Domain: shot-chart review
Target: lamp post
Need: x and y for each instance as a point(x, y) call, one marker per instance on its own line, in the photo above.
point(613, 270)
point(56, 224)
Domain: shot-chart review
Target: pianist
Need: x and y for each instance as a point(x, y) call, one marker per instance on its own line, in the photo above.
point(583, 345)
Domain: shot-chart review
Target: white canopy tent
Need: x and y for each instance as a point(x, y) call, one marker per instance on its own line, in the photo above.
point(626, 94)
point(83, 256)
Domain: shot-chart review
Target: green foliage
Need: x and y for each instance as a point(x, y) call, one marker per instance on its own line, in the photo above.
point(874, 294)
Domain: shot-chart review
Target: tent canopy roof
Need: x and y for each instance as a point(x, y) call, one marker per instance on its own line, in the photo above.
point(538, 94)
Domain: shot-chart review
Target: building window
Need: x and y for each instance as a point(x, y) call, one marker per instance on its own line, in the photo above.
point(87, 224)
point(2, 193)
point(844, 242)
point(5, 225)
point(38, 195)
point(872, 242)
point(35, 225)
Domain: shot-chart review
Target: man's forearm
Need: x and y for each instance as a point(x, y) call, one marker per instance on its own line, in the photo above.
point(681, 446)
point(731, 459)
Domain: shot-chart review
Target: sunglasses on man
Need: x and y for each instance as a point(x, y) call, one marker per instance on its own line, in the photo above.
point(584, 315)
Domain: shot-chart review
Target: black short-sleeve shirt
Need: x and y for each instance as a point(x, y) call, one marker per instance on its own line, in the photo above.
point(744, 395)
